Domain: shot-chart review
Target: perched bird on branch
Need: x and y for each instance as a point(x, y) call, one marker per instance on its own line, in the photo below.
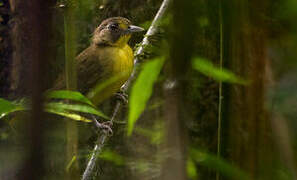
point(108, 60)
point(107, 63)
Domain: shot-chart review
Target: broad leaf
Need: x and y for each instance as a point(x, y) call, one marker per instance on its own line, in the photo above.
point(207, 68)
point(7, 107)
point(142, 90)
point(67, 114)
point(75, 107)
point(71, 95)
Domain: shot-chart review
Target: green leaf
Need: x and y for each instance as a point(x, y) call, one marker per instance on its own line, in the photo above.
point(7, 107)
point(191, 169)
point(218, 164)
point(142, 90)
point(67, 114)
point(71, 95)
point(207, 68)
point(75, 107)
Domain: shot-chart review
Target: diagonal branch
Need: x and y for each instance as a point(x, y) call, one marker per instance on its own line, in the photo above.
point(145, 42)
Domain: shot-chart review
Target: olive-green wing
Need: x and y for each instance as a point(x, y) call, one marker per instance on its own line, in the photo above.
point(89, 71)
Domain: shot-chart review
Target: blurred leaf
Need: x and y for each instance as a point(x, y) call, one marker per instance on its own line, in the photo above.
point(113, 157)
point(165, 21)
point(155, 134)
point(95, 93)
point(7, 107)
point(162, 22)
point(70, 163)
point(75, 107)
point(191, 169)
point(146, 25)
point(142, 89)
point(67, 114)
point(156, 105)
point(71, 95)
point(218, 164)
point(207, 68)
point(143, 166)
point(203, 22)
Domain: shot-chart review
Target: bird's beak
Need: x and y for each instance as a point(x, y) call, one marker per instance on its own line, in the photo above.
point(133, 29)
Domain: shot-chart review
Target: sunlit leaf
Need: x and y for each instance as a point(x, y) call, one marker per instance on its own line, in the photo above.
point(69, 115)
point(71, 95)
point(142, 90)
point(75, 107)
point(7, 107)
point(207, 68)
point(218, 164)
point(112, 156)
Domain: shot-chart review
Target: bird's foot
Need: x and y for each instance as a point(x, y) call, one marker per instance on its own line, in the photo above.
point(122, 96)
point(105, 126)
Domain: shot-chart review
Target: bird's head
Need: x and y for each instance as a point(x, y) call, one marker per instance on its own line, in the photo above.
point(115, 31)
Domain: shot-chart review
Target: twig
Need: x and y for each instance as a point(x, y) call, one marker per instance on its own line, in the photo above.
point(151, 32)
point(103, 137)
point(98, 148)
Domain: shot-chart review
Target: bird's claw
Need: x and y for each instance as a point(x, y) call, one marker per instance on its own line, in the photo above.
point(105, 126)
point(122, 96)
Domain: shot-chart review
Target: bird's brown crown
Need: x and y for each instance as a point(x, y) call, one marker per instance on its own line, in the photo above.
point(113, 32)
point(122, 22)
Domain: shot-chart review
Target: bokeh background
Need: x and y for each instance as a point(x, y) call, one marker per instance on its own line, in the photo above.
point(223, 107)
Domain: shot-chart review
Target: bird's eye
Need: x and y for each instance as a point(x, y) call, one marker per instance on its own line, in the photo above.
point(113, 26)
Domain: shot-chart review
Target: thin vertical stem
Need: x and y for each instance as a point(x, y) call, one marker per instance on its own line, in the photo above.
point(71, 80)
point(220, 87)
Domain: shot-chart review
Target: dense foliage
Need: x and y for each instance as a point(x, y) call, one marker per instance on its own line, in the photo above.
point(213, 95)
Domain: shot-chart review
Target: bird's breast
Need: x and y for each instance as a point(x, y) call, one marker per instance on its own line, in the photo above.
point(122, 64)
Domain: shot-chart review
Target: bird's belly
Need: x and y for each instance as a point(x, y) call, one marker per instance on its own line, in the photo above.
point(121, 66)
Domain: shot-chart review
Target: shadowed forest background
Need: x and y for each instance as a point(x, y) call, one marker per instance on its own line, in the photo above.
point(214, 95)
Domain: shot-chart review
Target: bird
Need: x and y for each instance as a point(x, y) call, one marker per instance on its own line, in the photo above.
point(108, 59)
